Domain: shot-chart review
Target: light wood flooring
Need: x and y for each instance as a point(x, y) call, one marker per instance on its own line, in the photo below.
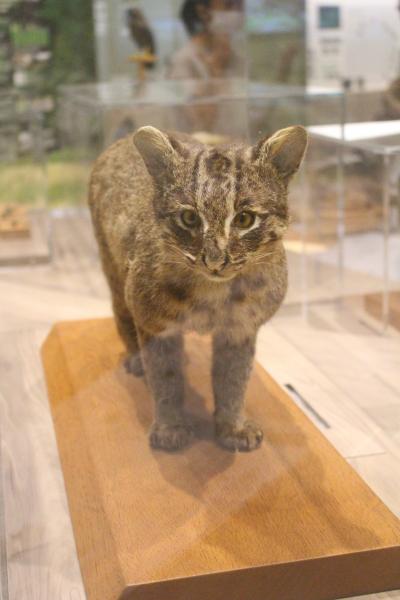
point(340, 368)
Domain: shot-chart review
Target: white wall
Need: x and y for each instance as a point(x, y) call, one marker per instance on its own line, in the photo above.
point(367, 44)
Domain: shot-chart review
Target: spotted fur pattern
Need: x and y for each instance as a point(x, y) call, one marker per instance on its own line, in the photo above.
point(216, 277)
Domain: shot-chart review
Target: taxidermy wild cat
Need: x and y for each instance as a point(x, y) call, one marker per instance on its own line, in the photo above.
point(190, 239)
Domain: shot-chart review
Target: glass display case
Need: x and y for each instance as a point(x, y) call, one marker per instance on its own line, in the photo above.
point(24, 220)
point(364, 159)
point(25, 105)
point(91, 117)
point(174, 421)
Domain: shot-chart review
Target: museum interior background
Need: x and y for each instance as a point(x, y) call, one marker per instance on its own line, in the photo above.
point(76, 76)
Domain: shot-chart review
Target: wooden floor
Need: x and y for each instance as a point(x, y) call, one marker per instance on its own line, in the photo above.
point(334, 360)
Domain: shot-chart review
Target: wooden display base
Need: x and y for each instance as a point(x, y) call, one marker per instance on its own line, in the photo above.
point(290, 521)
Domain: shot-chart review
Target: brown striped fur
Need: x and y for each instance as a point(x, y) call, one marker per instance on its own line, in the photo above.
point(216, 278)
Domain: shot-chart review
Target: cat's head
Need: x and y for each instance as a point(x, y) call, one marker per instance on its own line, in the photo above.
point(221, 208)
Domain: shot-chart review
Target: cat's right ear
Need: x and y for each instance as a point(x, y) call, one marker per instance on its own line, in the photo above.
point(155, 149)
point(284, 151)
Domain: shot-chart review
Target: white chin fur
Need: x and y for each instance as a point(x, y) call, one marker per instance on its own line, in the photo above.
point(219, 278)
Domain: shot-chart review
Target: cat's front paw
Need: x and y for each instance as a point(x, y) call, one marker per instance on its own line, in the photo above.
point(242, 437)
point(170, 437)
point(133, 365)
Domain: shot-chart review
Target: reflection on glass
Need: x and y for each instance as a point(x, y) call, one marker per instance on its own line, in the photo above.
point(214, 50)
point(211, 51)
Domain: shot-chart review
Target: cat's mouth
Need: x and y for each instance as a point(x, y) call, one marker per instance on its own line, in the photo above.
point(225, 274)
point(217, 276)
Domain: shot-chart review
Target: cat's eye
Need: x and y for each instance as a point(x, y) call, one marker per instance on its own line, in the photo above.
point(190, 218)
point(244, 219)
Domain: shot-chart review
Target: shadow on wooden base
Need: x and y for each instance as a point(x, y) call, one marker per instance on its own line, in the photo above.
point(290, 521)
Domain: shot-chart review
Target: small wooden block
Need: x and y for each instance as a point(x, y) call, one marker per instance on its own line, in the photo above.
point(33, 248)
point(291, 521)
point(374, 306)
point(14, 221)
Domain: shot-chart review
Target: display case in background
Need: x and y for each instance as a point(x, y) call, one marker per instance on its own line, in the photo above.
point(152, 40)
point(276, 41)
point(359, 165)
point(267, 38)
point(261, 89)
point(148, 70)
point(91, 117)
point(24, 217)
point(25, 132)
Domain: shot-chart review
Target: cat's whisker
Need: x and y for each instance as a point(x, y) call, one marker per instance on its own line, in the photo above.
point(175, 262)
point(262, 256)
point(180, 252)
point(259, 262)
point(182, 263)
point(190, 257)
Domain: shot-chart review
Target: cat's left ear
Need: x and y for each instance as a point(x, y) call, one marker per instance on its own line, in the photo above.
point(157, 149)
point(284, 150)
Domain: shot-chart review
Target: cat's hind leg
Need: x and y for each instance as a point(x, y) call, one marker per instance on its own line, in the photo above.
point(123, 317)
point(127, 331)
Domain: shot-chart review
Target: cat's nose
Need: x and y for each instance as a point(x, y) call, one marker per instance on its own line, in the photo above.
point(214, 253)
point(215, 262)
